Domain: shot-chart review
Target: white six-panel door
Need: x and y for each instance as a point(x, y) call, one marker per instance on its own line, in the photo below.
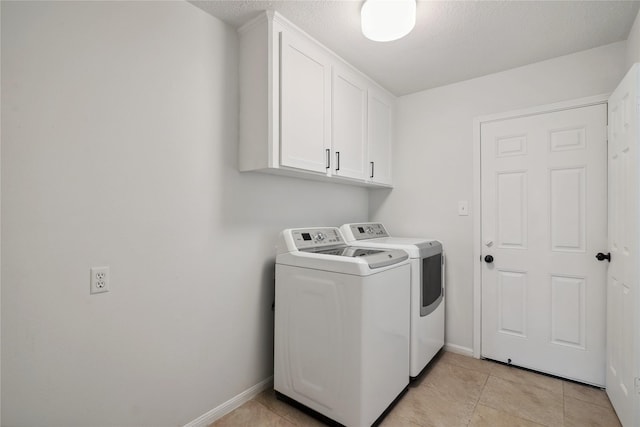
point(543, 200)
point(623, 317)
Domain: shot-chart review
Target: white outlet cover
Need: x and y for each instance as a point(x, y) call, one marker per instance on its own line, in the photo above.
point(99, 282)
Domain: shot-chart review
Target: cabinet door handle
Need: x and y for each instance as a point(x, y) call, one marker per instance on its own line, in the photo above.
point(328, 158)
point(372, 169)
point(337, 161)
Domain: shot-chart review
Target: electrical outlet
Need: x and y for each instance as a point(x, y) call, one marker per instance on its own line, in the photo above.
point(99, 280)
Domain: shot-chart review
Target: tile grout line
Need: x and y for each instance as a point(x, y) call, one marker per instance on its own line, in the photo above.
point(475, 406)
point(564, 405)
point(274, 413)
point(588, 400)
point(520, 415)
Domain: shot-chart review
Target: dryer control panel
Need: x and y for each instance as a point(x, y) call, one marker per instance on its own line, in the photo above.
point(368, 230)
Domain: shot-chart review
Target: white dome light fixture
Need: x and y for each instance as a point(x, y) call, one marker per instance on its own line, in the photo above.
point(387, 20)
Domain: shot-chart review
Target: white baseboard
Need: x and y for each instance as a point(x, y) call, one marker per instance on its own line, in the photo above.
point(235, 402)
point(453, 348)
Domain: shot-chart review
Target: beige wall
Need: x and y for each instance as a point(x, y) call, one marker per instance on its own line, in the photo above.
point(433, 158)
point(119, 127)
point(633, 43)
point(119, 138)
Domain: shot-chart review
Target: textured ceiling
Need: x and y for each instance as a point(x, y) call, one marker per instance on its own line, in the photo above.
point(452, 40)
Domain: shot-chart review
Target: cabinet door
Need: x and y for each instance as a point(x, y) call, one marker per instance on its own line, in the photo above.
point(305, 79)
point(349, 124)
point(380, 135)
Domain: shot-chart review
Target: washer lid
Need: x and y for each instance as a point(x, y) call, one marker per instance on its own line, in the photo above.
point(348, 251)
point(355, 261)
point(323, 248)
point(375, 258)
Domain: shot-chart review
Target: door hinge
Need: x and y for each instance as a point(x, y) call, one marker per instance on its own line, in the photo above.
point(637, 383)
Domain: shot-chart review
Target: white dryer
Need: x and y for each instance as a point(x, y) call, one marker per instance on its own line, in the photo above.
point(341, 344)
point(427, 286)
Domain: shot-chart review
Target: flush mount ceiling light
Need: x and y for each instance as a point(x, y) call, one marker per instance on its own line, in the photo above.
point(387, 20)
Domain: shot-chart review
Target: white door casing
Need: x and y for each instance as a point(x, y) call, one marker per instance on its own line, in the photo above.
point(543, 219)
point(623, 303)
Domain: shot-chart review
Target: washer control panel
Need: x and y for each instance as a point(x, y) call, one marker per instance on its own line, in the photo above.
point(305, 238)
point(368, 230)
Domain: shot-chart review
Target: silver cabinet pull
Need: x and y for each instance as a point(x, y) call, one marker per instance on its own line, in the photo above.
point(328, 158)
point(372, 169)
point(337, 161)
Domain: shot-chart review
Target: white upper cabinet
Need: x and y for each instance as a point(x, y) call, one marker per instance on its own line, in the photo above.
point(305, 107)
point(305, 112)
point(349, 124)
point(380, 131)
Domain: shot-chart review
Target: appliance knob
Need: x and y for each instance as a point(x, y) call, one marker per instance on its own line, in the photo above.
point(320, 237)
point(369, 230)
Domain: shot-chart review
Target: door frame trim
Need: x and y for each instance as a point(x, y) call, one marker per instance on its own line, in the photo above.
point(477, 187)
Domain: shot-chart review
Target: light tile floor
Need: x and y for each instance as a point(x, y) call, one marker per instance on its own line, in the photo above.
point(462, 391)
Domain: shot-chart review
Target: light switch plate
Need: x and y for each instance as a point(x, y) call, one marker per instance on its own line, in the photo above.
point(463, 208)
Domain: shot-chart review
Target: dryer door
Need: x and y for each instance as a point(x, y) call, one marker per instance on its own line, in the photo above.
point(431, 289)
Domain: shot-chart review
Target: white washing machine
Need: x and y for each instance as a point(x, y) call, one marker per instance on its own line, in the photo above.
point(341, 344)
point(427, 286)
